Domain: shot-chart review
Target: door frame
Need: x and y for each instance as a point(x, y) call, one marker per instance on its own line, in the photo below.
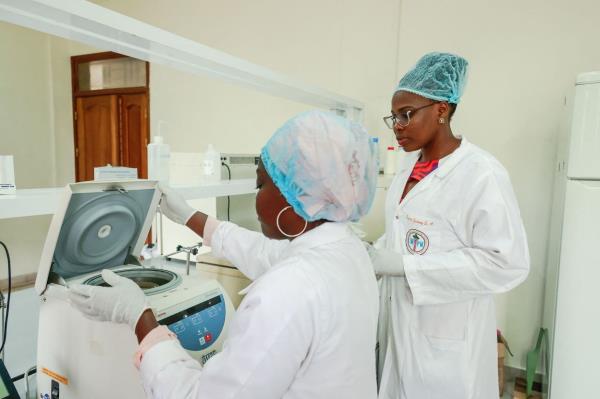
point(76, 93)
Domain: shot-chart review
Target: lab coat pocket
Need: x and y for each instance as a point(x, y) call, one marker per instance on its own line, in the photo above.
point(441, 323)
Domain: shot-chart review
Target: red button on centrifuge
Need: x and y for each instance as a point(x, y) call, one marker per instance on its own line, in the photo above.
point(208, 337)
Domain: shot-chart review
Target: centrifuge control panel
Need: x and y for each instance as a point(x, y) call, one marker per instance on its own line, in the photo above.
point(198, 326)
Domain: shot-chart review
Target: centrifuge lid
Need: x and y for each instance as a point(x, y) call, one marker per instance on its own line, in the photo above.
point(96, 226)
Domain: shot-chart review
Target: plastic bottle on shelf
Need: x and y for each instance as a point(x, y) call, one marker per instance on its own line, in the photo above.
point(159, 155)
point(375, 140)
point(7, 175)
point(211, 165)
point(390, 160)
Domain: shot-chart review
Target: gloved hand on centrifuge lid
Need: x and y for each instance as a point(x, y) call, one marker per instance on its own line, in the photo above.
point(123, 302)
point(386, 262)
point(174, 206)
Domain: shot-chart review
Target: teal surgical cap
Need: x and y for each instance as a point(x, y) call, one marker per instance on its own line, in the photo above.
point(438, 76)
point(324, 165)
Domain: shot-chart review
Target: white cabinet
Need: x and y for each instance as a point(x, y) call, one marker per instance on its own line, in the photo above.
point(576, 343)
point(574, 241)
point(584, 157)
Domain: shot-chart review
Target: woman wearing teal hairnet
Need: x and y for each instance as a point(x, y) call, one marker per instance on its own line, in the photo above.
point(306, 328)
point(453, 238)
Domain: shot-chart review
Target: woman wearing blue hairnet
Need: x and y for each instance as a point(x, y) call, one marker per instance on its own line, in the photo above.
point(307, 325)
point(453, 238)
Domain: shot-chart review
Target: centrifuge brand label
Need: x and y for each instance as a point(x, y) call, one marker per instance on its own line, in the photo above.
point(208, 356)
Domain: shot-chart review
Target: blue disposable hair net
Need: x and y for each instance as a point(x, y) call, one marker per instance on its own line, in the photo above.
point(437, 76)
point(324, 165)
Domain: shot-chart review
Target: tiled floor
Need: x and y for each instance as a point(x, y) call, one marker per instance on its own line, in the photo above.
point(508, 388)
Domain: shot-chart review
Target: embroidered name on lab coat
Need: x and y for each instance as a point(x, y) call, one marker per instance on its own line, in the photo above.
point(419, 222)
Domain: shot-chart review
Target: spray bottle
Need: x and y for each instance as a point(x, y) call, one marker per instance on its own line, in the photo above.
point(158, 156)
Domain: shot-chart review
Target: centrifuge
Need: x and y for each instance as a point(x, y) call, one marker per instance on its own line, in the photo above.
point(100, 225)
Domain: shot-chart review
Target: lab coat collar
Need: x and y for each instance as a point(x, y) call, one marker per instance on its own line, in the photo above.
point(450, 161)
point(324, 234)
point(446, 164)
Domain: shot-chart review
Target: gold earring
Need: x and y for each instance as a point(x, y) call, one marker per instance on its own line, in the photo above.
point(441, 121)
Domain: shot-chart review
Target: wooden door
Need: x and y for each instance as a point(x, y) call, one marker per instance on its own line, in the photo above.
point(111, 129)
point(110, 109)
point(97, 134)
point(133, 112)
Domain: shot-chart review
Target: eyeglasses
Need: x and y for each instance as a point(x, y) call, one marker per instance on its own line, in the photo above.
point(403, 119)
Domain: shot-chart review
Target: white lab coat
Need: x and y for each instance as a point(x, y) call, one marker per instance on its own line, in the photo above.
point(306, 328)
point(462, 240)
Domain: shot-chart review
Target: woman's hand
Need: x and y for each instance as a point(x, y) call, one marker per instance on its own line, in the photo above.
point(174, 206)
point(123, 302)
point(386, 262)
point(145, 324)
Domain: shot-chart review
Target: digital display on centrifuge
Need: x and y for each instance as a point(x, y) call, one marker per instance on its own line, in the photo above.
point(198, 326)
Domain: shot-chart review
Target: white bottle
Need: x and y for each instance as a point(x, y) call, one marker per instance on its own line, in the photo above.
point(375, 141)
point(390, 160)
point(211, 165)
point(7, 175)
point(158, 159)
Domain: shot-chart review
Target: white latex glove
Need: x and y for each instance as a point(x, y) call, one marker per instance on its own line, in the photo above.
point(123, 302)
point(173, 206)
point(386, 262)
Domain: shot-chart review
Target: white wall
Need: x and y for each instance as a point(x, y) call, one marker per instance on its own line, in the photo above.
point(336, 48)
point(21, 340)
point(36, 127)
point(25, 107)
point(342, 46)
point(26, 131)
point(59, 64)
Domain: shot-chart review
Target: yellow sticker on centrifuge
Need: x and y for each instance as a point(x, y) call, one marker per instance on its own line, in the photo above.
point(55, 376)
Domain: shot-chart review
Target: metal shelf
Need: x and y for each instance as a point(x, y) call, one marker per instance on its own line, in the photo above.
point(43, 201)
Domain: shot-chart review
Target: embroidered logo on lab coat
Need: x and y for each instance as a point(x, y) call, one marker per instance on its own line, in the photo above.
point(417, 242)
